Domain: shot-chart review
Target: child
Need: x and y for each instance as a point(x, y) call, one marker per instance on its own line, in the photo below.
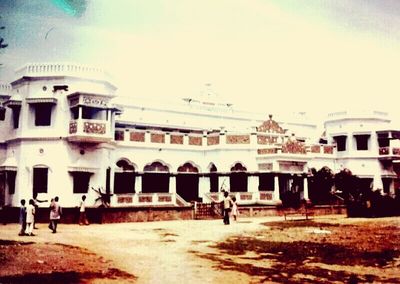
point(22, 218)
point(82, 212)
point(30, 215)
point(235, 210)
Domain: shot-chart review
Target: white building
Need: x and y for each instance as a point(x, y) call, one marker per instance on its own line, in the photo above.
point(63, 132)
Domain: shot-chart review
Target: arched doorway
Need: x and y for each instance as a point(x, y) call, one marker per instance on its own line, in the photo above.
point(238, 178)
point(124, 177)
point(187, 182)
point(155, 178)
point(214, 184)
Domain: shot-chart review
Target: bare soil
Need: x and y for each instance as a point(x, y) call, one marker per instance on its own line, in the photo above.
point(28, 262)
point(327, 249)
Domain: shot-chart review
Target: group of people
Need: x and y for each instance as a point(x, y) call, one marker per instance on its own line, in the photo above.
point(230, 207)
point(27, 215)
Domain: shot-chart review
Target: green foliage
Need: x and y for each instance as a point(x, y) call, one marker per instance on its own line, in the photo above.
point(320, 185)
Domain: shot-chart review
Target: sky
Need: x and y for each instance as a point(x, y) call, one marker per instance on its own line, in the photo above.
point(277, 56)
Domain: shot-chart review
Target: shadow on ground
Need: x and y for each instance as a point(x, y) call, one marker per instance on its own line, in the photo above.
point(322, 259)
point(28, 262)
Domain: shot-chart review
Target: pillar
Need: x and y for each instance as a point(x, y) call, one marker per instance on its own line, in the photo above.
point(138, 184)
point(204, 185)
point(305, 189)
point(172, 184)
point(252, 183)
point(392, 190)
point(277, 196)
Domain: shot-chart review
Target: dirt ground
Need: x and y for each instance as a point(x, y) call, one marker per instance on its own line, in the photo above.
point(327, 249)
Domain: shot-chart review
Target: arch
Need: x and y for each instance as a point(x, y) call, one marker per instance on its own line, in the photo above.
point(156, 177)
point(156, 166)
point(126, 165)
point(212, 168)
point(187, 182)
point(188, 167)
point(214, 179)
point(238, 178)
point(125, 176)
point(238, 167)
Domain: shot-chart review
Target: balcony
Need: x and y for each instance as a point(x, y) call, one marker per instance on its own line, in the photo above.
point(389, 152)
point(89, 130)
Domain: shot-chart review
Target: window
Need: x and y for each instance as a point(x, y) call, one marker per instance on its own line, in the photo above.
point(81, 182)
point(75, 112)
point(43, 114)
point(40, 180)
point(15, 115)
point(340, 142)
point(94, 113)
point(2, 113)
point(383, 140)
point(11, 181)
point(362, 142)
point(266, 181)
point(387, 182)
point(124, 182)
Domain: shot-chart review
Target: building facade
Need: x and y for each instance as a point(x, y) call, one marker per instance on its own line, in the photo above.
point(65, 133)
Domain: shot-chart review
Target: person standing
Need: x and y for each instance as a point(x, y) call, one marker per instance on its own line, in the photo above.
point(235, 210)
point(30, 217)
point(36, 202)
point(82, 212)
point(227, 202)
point(55, 214)
point(22, 218)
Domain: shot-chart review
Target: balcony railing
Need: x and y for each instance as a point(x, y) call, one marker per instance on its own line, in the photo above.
point(89, 130)
point(148, 199)
point(243, 198)
point(63, 69)
point(389, 151)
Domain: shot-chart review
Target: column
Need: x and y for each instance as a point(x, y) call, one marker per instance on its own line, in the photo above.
point(253, 136)
point(222, 137)
point(172, 184)
point(305, 189)
point(204, 139)
point(252, 183)
point(127, 135)
point(392, 190)
point(253, 187)
point(185, 139)
point(277, 197)
point(204, 186)
point(147, 137)
point(138, 184)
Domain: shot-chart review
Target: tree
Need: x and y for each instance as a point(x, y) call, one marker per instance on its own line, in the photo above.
point(321, 184)
point(347, 183)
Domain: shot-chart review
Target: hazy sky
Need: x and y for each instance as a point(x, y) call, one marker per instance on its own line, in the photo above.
point(278, 55)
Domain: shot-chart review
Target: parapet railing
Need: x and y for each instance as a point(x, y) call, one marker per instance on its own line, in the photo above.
point(66, 69)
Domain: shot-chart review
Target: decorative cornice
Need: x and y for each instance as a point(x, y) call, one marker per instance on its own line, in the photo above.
point(270, 126)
